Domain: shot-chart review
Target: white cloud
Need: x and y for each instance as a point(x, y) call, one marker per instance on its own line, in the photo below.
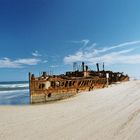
point(45, 61)
point(36, 53)
point(19, 63)
point(22, 62)
point(120, 57)
point(7, 63)
point(27, 61)
point(73, 58)
point(109, 55)
point(119, 46)
point(84, 42)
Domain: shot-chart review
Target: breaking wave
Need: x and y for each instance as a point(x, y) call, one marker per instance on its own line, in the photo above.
point(8, 86)
point(14, 93)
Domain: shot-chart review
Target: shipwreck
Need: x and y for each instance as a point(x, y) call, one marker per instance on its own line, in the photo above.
point(45, 87)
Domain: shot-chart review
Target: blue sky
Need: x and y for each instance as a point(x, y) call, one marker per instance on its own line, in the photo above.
point(49, 35)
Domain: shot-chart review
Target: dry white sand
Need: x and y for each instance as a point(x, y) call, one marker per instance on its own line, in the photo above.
point(105, 114)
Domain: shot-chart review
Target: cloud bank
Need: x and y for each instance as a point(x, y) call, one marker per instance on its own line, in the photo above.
point(18, 63)
point(117, 54)
point(35, 59)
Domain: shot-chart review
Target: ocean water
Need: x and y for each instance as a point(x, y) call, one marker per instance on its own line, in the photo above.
point(14, 93)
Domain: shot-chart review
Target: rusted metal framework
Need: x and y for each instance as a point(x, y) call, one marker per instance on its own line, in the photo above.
point(50, 88)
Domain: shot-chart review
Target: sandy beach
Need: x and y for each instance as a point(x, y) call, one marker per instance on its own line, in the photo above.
point(105, 114)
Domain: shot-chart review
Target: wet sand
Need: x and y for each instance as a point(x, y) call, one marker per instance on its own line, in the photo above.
point(105, 114)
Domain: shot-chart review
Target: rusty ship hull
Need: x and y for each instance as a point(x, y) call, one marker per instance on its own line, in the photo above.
point(47, 88)
point(52, 89)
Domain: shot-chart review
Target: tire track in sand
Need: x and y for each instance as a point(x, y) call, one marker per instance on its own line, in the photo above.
point(129, 120)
